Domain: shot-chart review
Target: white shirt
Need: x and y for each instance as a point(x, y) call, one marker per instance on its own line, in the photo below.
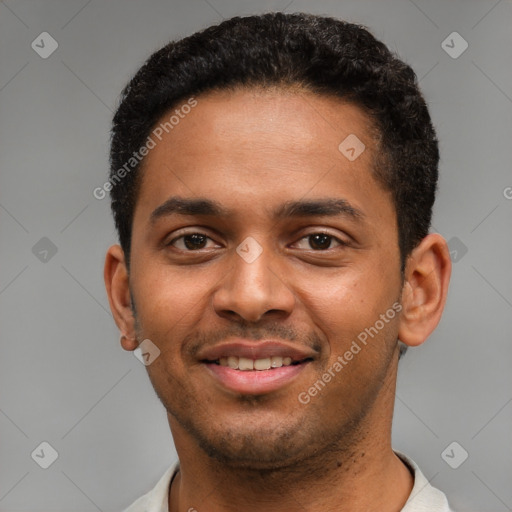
point(423, 497)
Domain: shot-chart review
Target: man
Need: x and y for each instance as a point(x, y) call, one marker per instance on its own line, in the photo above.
point(272, 182)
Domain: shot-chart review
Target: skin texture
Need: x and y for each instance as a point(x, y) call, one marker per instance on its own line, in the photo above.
point(251, 151)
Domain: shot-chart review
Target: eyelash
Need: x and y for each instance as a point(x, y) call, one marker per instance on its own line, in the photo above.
point(341, 243)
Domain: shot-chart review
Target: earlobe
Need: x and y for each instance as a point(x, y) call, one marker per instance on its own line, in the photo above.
point(127, 343)
point(117, 285)
point(427, 276)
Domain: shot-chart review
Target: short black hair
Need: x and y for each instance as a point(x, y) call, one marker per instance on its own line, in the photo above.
point(320, 54)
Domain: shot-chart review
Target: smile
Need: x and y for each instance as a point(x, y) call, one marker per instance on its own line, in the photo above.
point(246, 364)
point(255, 368)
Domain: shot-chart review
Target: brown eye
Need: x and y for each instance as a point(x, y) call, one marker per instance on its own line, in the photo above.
point(195, 241)
point(320, 241)
point(191, 242)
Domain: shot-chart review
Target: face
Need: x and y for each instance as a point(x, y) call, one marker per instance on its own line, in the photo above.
point(257, 242)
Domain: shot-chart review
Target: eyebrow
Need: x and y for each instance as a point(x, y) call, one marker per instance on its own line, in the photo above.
point(305, 208)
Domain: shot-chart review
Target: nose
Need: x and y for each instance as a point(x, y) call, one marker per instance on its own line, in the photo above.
point(253, 289)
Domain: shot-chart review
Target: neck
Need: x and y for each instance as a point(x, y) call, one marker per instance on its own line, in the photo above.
point(344, 486)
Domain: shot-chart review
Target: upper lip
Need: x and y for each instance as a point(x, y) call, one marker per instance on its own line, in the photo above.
point(255, 350)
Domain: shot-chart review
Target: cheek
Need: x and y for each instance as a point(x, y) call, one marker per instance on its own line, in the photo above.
point(360, 342)
point(346, 301)
point(170, 302)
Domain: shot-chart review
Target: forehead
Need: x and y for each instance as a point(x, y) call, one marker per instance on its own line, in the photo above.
point(262, 146)
point(291, 120)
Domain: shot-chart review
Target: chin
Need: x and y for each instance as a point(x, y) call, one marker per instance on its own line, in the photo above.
point(251, 454)
point(269, 446)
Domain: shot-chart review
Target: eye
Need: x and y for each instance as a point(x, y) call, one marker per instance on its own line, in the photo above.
point(190, 242)
point(322, 241)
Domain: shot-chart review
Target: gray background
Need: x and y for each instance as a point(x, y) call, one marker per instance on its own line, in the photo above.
point(65, 379)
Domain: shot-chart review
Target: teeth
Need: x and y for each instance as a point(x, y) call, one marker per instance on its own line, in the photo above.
point(262, 364)
point(277, 361)
point(245, 364)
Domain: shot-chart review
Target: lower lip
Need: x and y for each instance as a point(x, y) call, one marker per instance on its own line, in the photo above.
point(254, 382)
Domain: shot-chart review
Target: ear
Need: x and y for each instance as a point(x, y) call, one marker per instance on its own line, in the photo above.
point(117, 284)
point(426, 279)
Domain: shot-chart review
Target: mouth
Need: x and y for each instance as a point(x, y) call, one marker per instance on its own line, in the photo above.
point(255, 369)
point(245, 364)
